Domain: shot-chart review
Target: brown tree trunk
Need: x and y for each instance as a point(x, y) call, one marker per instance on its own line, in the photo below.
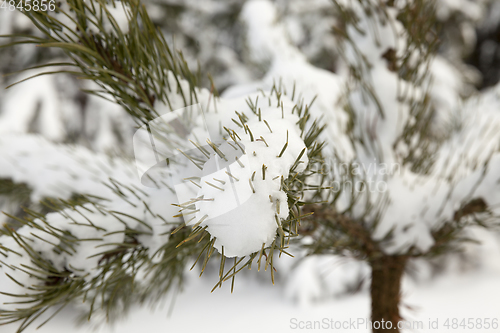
point(385, 290)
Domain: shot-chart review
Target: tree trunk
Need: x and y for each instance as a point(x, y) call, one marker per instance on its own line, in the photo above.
point(385, 290)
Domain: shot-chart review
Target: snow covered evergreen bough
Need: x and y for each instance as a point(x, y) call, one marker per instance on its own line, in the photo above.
point(232, 173)
point(232, 182)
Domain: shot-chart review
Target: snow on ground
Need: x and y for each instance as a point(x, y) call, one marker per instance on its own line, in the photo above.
point(260, 307)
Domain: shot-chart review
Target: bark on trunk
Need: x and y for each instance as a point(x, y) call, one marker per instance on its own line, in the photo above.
point(385, 290)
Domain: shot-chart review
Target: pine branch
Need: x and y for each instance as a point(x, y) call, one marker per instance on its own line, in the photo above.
point(111, 227)
point(135, 66)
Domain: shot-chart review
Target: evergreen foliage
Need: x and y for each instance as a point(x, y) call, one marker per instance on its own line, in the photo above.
point(140, 250)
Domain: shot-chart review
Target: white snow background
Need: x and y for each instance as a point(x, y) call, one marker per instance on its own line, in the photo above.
point(462, 291)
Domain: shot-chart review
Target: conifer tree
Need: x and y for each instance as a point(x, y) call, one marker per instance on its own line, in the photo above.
point(365, 163)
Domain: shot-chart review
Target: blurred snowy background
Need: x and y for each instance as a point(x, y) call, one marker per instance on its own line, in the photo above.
point(218, 37)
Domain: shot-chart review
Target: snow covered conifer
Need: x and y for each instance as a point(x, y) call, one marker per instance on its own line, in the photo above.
point(230, 181)
point(406, 193)
point(235, 177)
